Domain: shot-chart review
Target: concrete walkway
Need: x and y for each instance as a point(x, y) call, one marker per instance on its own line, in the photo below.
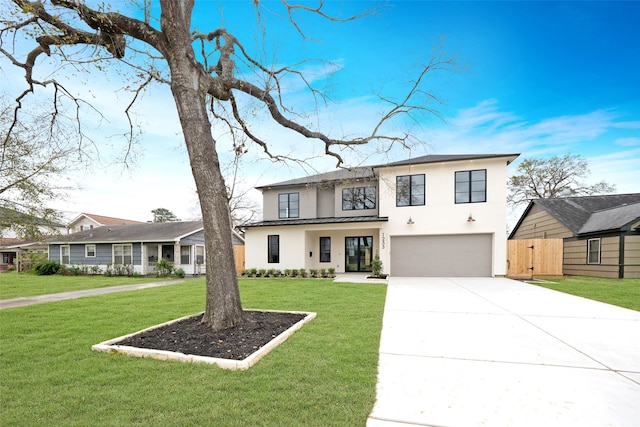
point(24, 301)
point(497, 352)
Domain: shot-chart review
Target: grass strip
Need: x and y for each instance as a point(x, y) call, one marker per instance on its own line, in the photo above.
point(324, 375)
point(15, 285)
point(621, 292)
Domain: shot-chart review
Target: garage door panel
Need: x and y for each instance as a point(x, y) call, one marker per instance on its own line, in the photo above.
point(442, 256)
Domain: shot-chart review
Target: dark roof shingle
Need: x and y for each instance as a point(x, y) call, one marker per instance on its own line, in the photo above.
point(144, 232)
point(590, 214)
point(367, 172)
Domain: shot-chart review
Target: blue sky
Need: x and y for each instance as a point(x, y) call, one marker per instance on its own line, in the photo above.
point(539, 78)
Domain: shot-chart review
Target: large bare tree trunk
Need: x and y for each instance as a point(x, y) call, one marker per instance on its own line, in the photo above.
point(223, 307)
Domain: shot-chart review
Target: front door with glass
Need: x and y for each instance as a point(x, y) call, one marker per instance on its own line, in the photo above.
point(358, 253)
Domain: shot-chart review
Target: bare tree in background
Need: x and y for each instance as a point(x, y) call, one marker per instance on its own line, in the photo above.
point(32, 159)
point(211, 77)
point(553, 177)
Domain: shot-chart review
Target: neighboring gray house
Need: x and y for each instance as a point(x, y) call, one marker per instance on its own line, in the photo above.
point(601, 234)
point(139, 245)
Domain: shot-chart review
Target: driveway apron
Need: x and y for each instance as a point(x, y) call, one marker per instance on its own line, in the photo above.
point(498, 352)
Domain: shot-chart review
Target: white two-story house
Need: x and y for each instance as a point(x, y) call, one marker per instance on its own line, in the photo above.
point(436, 215)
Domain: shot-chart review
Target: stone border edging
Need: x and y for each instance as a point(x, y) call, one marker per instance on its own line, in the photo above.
point(110, 347)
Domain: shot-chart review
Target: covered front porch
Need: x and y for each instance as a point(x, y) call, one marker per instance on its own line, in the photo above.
point(345, 250)
point(189, 258)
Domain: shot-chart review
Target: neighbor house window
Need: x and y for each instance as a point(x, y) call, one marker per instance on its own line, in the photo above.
point(410, 190)
point(358, 198)
point(288, 205)
point(199, 254)
point(122, 254)
point(273, 249)
point(325, 249)
point(471, 186)
point(185, 255)
point(593, 251)
point(90, 251)
point(65, 255)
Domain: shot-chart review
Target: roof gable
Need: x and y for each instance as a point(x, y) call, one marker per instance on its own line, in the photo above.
point(102, 220)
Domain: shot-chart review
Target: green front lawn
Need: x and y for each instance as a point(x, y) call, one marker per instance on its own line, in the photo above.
point(324, 375)
point(14, 285)
point(620, 292)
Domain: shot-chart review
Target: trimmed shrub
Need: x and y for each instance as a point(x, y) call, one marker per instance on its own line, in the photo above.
point(47, 268)
point(163, 268)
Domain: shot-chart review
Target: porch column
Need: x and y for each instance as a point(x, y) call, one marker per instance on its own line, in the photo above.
point(144, 261)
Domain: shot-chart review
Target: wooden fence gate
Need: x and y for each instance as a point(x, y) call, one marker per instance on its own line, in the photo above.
point(534, 257)
point(238, 252)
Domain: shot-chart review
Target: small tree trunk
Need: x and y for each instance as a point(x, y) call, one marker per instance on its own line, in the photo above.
point(223, 306)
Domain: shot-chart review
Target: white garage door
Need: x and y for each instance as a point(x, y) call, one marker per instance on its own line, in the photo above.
point(442, 256)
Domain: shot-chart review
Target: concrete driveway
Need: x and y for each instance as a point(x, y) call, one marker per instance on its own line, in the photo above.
point(498, 352)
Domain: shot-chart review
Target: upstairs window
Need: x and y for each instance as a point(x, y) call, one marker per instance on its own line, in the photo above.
point(358, 198)
point(288, 205)
point(410, 190)
point(471, 186)
point(273, 248)
point(593, 251)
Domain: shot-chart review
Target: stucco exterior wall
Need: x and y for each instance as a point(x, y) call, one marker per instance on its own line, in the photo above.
point(300, 245)
point(441, 215)
point(326, 202)
point(307, 202)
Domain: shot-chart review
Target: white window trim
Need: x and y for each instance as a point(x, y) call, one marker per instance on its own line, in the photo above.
point(61, 256)
point(113, 252)
point(203, 255)
point(86, 250)
point(599, 251)
point(189, 261)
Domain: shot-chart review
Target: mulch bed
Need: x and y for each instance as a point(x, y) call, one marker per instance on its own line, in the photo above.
point(191, 336)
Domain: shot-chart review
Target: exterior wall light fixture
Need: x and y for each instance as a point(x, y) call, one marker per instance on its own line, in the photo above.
point(410, 221)
point(471, 218)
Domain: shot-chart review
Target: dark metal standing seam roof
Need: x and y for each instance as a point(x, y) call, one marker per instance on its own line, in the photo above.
point(332, 220)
